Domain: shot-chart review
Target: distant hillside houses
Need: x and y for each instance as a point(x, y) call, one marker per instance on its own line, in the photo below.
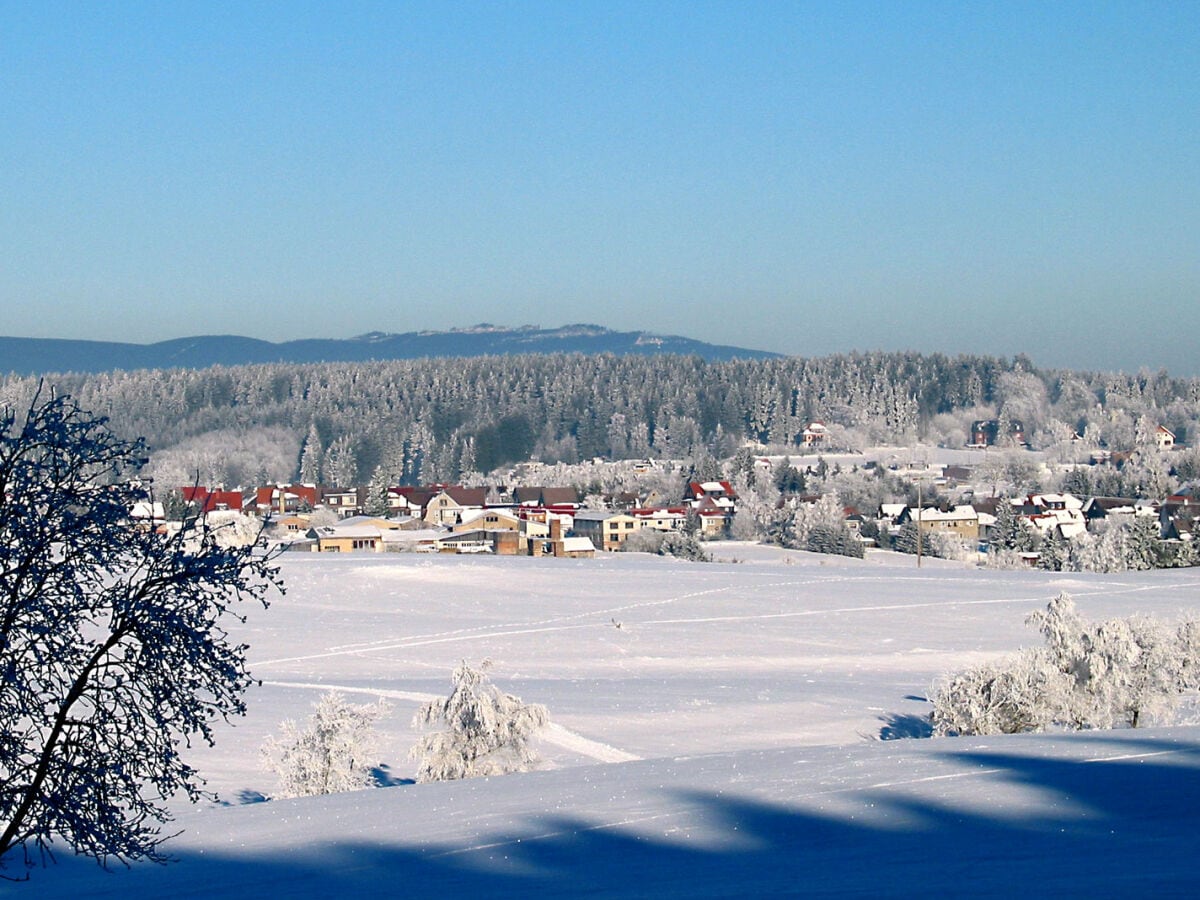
point(990, 432)
point(543, 520)
point(453, 518)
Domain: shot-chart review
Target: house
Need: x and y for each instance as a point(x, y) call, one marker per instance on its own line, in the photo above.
point(986, 433)
point(715, 517)
point(345, 502)
point(606, 529)
point(889, 514)
point(1055, 501)
point(558, 498)
point(662, 518)
point(718, 490)
point(815, 433)
point(147, 513)
point(1097, 510)
point(293, 524)
point(558, 545)
point(287, 498)
point(346, 538)
point(477, 540)
point(961, 521)
point(415, 501)
point(400, 501)
point(1164, 438)
point(488, 519)
point(1180, 521)
point(357, 533)
point(715, 502)
point(527, 496)
point(954, 475)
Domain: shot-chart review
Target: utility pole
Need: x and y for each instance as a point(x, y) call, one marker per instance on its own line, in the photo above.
point(920, 538)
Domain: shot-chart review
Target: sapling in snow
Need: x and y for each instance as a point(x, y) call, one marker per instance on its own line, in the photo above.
point(335, 753)
point(487, 731)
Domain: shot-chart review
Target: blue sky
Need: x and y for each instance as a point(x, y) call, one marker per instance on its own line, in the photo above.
point(805, 178)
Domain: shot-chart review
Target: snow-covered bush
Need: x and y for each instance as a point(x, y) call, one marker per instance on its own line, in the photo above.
point(335, 753)
point(1021, 693)
point(1118, 673)
point(234, 529)
point(488, 731)
point(683, 546)
point(666, 543)
point(645, 540)
point(946, 545)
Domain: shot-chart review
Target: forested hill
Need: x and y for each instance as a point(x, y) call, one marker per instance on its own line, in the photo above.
point(411, 421)
point(35, 356)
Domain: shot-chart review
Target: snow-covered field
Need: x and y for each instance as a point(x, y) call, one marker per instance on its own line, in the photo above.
point(717, 732)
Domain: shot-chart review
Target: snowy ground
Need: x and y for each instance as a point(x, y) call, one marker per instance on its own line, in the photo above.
point(716, 733)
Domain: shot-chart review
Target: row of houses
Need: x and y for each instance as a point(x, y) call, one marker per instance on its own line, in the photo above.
point(532, 521)
point(1064, 515)
point(500, 532)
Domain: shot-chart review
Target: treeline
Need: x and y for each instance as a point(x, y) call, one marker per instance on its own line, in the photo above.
point(441, 419)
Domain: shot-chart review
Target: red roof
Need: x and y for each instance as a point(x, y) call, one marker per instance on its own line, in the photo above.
point(212, 500)
point(696, 488)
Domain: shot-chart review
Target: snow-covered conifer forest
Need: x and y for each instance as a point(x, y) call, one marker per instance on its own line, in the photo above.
point(445, 419)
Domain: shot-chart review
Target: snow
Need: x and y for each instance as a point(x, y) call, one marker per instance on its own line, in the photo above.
point(716, 731)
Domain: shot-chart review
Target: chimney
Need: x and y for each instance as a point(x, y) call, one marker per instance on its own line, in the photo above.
point(556, 535)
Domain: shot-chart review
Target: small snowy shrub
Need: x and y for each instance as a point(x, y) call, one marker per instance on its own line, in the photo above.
point(334, 754)
point(488, 731)
point(647, 540)
point(683, 546)
point(1022, 693)
point(1118, 673)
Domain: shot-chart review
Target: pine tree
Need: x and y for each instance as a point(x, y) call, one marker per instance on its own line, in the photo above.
point(310, 457)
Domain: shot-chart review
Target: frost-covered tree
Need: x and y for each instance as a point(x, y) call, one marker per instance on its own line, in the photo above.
point(1143, 544)
point(834, 539)
point(231, 528)
point(1009, 531)
point(1053, 552)
point(1014, 695)
point(1117, 673)
point(113, 651)
point(682, 545)
point(907, 538)
point(487, 731)
point(310, 456)
point(335, 753)
point(803, 517)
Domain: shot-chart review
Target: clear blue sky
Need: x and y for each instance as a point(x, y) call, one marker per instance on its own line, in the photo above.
point(800, 177)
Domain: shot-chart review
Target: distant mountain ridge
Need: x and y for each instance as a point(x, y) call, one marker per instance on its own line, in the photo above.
point(35, 356)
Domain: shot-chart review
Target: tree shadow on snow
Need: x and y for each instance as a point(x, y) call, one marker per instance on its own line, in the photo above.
point(899, 726)
point(382, 776)
point(1112, 826)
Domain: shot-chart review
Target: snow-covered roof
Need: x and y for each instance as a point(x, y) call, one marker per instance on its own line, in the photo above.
point(957, 514)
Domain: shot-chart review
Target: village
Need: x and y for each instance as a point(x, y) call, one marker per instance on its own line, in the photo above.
point(950, 509)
